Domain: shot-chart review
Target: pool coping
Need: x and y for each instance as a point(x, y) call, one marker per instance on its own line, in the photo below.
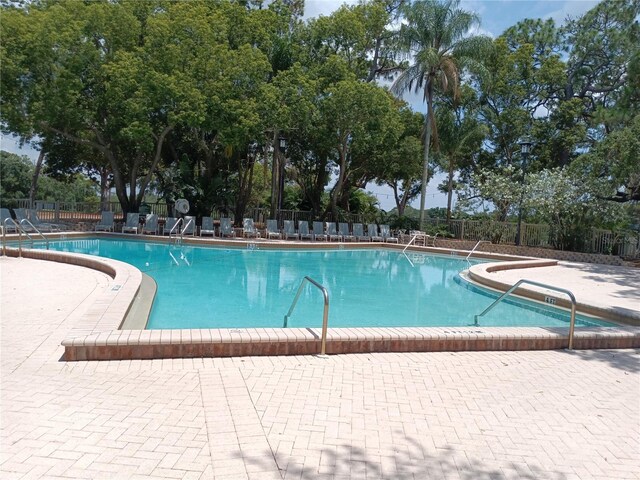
point(480, 275)
point(98, 335)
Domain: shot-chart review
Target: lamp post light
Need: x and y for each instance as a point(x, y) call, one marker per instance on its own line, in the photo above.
point(525, 149)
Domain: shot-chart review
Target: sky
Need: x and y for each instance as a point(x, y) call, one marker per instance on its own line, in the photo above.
point(496, 16)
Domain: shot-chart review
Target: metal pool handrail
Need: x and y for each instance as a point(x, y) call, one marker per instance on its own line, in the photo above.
point(543, 285)
point(423, 235)
point(35, 229)
point(325, 315)
point(173, 229)
point(191, 220)
point(476, 246)
point(4, 239)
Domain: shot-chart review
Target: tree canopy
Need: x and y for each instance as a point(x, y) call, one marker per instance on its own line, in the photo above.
point(198, 99)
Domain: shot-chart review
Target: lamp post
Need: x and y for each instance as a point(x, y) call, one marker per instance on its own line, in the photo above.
point(525, 149)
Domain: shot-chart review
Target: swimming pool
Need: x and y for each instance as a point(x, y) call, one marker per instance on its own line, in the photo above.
point(245, 287)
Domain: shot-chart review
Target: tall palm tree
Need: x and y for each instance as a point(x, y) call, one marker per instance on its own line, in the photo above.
point(436, 38)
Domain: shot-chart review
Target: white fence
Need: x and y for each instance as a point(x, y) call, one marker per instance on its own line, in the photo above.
point(625, 244)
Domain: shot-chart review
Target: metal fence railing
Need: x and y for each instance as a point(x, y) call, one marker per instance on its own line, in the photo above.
point(607, 242)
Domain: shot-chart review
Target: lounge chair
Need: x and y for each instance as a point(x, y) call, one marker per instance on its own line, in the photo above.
point(150, 224)
point(132, 223)
point(358, 233)
point(25, 216)
point(385, 233)
point(21, 214)
point(303, 230)
point(318, 232)
point(106, 222)
point(249, 229)
point(343, 228)
point(226, 229)
point(189, 226)
point(289, 230)
point(207, 227)
point(169, 225)
point(332, 233)
point(272, 229)
point(372, 231)
point(9, 225)
point(35, 219)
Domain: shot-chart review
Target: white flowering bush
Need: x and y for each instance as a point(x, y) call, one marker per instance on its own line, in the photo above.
point(571, 206)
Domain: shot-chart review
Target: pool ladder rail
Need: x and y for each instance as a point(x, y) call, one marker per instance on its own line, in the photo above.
point(24, 230)
point(175, 230)
point(542, 285)
point(20, 229)
point(476, 246)
point(422, 236)
point(325, 314)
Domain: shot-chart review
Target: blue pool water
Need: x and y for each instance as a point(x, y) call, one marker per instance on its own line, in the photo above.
point(205, 287)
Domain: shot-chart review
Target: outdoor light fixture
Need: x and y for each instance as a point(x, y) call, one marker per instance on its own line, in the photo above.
point(283, 143)
point(525, 148)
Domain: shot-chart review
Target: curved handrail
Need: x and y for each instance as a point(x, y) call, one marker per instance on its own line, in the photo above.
point(423, 235)
point(191, 220)
point(173, 229)
point(4, 233)
point(542, 285)
point(35, 230)
point(325, 315)
point(476, 246)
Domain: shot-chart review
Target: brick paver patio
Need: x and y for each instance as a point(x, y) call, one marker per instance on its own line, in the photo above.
point(546, 414)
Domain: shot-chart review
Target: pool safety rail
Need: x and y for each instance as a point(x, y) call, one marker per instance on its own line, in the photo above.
point(423, 236)
point(175, 229)
point(542, 285)
point(325, 314)
point(22, 222)
point(476, 246)
point(191, 220)
point(4, 236)
point(20, 229)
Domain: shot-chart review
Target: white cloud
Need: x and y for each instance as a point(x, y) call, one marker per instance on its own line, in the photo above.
point(313, 8)
point(570, 8)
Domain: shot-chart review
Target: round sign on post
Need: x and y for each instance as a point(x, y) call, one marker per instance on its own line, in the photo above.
point(182, 205)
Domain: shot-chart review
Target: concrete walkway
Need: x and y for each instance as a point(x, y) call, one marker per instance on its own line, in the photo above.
point(487, 415)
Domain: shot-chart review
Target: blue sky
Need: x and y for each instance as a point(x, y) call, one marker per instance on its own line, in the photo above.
point(496, 16)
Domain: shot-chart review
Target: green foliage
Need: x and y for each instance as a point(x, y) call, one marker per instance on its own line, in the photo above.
point(16, 173)
point(436, 35)
point(613, 166)
point(168, 96)
point(569, 205)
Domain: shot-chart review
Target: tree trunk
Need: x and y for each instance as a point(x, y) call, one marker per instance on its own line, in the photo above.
point(105, 186)
point(427, 141)
point(449, 190)
point(245, 186)
point(275, 171)
point(337, 189)
point(34, 179)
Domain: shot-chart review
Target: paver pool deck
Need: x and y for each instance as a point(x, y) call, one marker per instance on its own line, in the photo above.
point(468, 415)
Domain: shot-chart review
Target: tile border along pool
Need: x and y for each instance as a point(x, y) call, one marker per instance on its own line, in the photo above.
point(99, 335)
